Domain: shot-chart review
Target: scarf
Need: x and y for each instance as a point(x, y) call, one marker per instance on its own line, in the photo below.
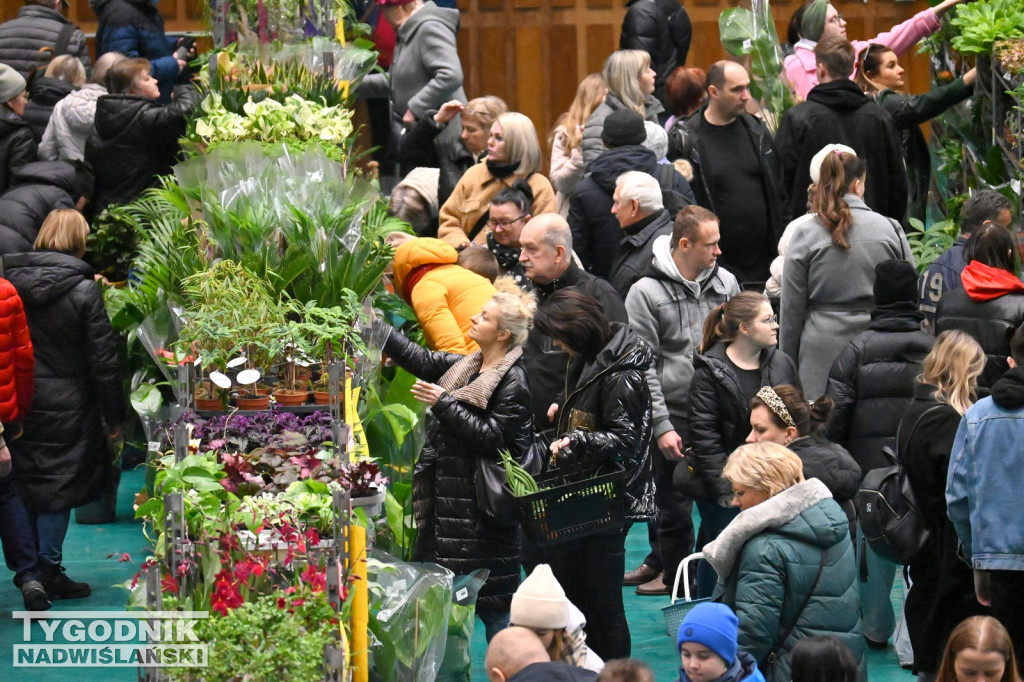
point(456, 381)
point(499, 170)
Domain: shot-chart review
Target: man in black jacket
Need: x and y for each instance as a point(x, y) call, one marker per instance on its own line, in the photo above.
point(735, 167)
point(836, 111)
point(638, 208)
point(36, 189)
point(38, 34)
point(546, 257)
point(595, 231)
point(662, 29)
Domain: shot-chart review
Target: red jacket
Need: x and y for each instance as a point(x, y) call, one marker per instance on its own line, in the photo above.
point(17, 364)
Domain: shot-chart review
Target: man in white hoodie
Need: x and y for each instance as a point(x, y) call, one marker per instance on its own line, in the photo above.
point(667, 307)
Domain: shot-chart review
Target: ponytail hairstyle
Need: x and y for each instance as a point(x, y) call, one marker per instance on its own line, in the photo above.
point(838, 172)
point(516, 310)
point(807, 417)
point(868, 64)
point(589, 95)
point(723, 324)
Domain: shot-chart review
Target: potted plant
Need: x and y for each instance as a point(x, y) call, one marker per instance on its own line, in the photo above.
point(328, 334)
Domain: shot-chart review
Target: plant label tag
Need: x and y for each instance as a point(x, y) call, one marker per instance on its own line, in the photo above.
point(747, 44)
point(153, 446)
point(461, 594)
point(399, 585)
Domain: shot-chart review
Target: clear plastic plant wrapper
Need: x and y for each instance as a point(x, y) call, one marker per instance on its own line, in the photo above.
point(751, 33)
point(410, 608)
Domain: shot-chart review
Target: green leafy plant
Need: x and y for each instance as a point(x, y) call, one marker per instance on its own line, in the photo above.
point(983, 22)
point(112, 243)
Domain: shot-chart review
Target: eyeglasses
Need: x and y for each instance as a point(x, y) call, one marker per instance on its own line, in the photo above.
point(504, 224)
point(837, 20)
point(774, 319)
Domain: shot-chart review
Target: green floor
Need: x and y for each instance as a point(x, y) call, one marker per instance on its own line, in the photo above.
point(92, 553)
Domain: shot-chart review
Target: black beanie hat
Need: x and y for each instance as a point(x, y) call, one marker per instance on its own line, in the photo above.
point(895, 282)
point(622, 128)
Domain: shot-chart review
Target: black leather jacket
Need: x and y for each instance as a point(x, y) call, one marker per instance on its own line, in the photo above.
point(452, 531)
point(611, 390)
point(719, 418)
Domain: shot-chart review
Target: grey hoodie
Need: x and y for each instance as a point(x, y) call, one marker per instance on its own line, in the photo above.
point(668, 312)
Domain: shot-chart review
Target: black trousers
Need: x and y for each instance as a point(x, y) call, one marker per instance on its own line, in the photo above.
point(1008, 607)
point(675, 525)
point(590, 571)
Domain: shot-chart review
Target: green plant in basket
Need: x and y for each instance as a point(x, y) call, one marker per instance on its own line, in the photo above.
point(519, 479)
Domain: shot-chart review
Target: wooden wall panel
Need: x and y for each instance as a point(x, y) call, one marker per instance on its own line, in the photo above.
point(562, 83)
point(531, 64)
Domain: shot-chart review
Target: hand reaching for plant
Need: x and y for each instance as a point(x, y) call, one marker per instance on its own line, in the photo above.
point(426, 392)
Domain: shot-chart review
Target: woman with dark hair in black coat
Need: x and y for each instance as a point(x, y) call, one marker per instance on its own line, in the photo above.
point(737, 357)
point(481, 403)
point(990, 303)
point(781, 414)
point(604, 422)
point(63, 460)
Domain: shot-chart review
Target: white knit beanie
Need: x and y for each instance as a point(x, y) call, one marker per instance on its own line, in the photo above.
point(540, 602)
point(11, 83)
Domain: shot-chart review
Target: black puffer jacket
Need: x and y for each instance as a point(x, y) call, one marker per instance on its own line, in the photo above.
point(595, 231)
point(63, 459)
point(662, 29)
point(44, 93)
point(18, 145)
point(872, 382)
point(134, 141)
point(34, 29)
point(612, 390)
point(719, 415)
point(830, 463)
point(36, 189)
point(990, 307)
point(452, 532)
point(838, 112)
point(546, 364)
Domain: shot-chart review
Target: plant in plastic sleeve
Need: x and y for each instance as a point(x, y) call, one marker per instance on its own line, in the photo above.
point(751, 33)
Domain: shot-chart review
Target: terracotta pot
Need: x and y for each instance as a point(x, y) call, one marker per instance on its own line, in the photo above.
point(261, 390)
point(321, 397)
point(209, 404)
point(253, 402)
point(290, 398)
point(303, 375)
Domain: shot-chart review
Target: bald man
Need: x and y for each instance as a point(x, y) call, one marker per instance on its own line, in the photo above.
point(734, 169)
point(517, 655)
point(546, 257)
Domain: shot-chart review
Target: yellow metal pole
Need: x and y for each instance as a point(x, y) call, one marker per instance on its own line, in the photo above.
point(360, 605)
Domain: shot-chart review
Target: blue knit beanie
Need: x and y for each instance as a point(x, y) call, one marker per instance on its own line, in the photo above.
point(712, 625)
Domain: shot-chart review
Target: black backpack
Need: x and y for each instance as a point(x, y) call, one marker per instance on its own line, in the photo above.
point(890, 519)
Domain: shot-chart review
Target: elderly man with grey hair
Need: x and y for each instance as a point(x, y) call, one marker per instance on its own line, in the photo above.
point(638, 207)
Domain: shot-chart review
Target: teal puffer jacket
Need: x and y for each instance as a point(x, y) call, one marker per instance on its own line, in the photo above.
point(767, 560)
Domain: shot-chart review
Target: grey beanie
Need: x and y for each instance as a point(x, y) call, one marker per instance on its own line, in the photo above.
point(813, 24)
point(11, 83)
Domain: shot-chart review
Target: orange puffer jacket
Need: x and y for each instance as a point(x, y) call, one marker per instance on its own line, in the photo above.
point(444, 295)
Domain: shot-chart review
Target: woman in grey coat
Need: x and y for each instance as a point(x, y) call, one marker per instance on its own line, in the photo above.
point(630, 80)
point(425, 69)
point(830, 266)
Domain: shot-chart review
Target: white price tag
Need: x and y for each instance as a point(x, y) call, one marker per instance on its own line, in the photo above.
point(461, 594)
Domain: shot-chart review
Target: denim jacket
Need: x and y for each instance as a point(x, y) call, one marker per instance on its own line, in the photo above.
point(986, 477)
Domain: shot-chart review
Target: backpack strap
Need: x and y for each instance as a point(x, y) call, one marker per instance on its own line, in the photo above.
point(666, 176)
point(64, 39)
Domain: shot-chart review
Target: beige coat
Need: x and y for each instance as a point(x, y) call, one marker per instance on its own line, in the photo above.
point(471, 200)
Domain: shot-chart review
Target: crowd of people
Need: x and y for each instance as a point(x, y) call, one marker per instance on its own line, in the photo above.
point(661, 304)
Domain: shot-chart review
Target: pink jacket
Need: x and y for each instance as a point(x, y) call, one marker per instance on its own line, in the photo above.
point(800, 67)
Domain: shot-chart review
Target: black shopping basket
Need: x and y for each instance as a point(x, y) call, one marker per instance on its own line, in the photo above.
point(573, 504)
point(676, 611)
